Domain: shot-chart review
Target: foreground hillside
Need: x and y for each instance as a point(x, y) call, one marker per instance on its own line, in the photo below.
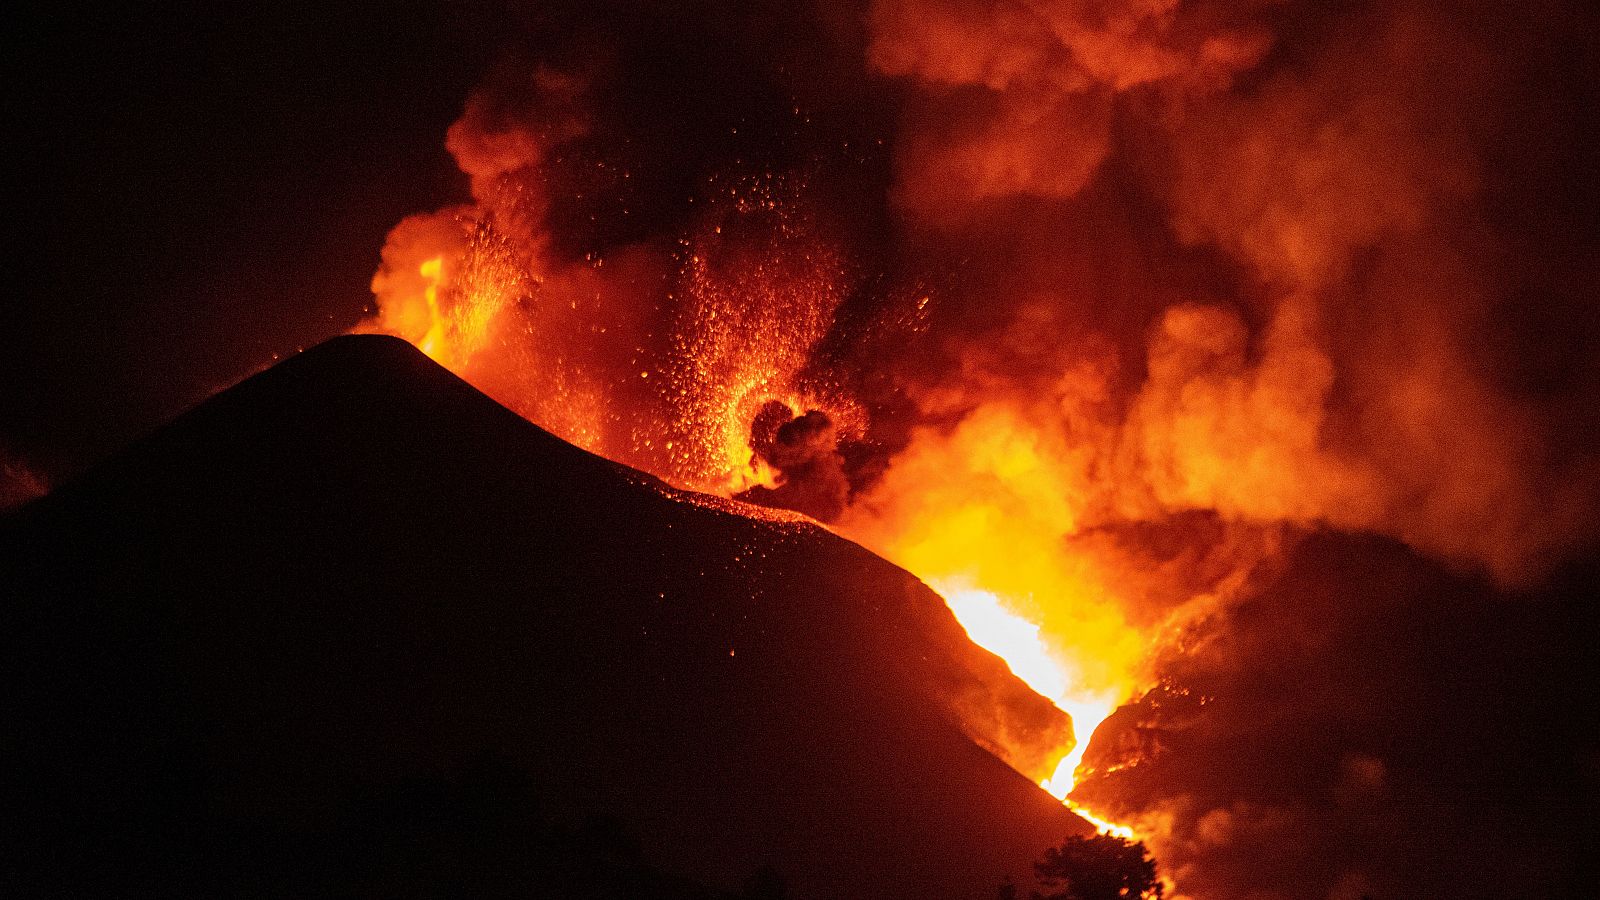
point(311, 634)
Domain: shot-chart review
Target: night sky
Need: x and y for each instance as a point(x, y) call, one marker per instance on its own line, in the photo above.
point(197, 189)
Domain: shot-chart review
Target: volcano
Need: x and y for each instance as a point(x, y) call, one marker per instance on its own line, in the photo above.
point(352, 627)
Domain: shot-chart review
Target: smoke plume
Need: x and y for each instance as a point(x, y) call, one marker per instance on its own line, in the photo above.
point(1109, 310)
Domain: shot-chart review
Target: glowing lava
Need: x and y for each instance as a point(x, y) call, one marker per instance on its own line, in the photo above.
point(1019, 642)
point(443, 281)
point(432, 342)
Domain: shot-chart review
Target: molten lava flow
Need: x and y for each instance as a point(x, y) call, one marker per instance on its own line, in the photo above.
point(1018, 641)
point(986, 513)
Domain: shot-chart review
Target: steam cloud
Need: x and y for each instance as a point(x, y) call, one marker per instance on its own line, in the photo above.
point(1148, 292)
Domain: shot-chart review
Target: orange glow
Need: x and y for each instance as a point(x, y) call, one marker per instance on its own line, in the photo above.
point(443, 282)
point(985, 513)
point(1105, 826)
point(760, 289)
point(432, 342)
point(1017, 641)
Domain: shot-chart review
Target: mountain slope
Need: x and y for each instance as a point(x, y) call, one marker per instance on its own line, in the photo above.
point(354, 573)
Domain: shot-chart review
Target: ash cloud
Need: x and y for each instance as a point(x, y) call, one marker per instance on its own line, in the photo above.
point(1341, 178)
point(804, 449)
point(1365, 725)
point(1262, 330)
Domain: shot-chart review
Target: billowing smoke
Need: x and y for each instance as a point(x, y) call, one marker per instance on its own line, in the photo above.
point(805, 449)
point(1365, 725)
point(1108, 310)
point(1337, 374)
point(1018, 99)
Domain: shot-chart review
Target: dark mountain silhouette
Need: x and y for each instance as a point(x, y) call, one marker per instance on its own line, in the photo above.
point(350, 627)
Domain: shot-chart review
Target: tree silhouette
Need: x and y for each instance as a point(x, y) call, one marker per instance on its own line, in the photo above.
point(1101, 867)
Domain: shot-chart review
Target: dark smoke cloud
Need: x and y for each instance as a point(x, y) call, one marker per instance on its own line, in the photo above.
point(805, 450)
point(1368, 725)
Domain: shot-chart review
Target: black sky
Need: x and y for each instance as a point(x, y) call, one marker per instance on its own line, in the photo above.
point(196, 189)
